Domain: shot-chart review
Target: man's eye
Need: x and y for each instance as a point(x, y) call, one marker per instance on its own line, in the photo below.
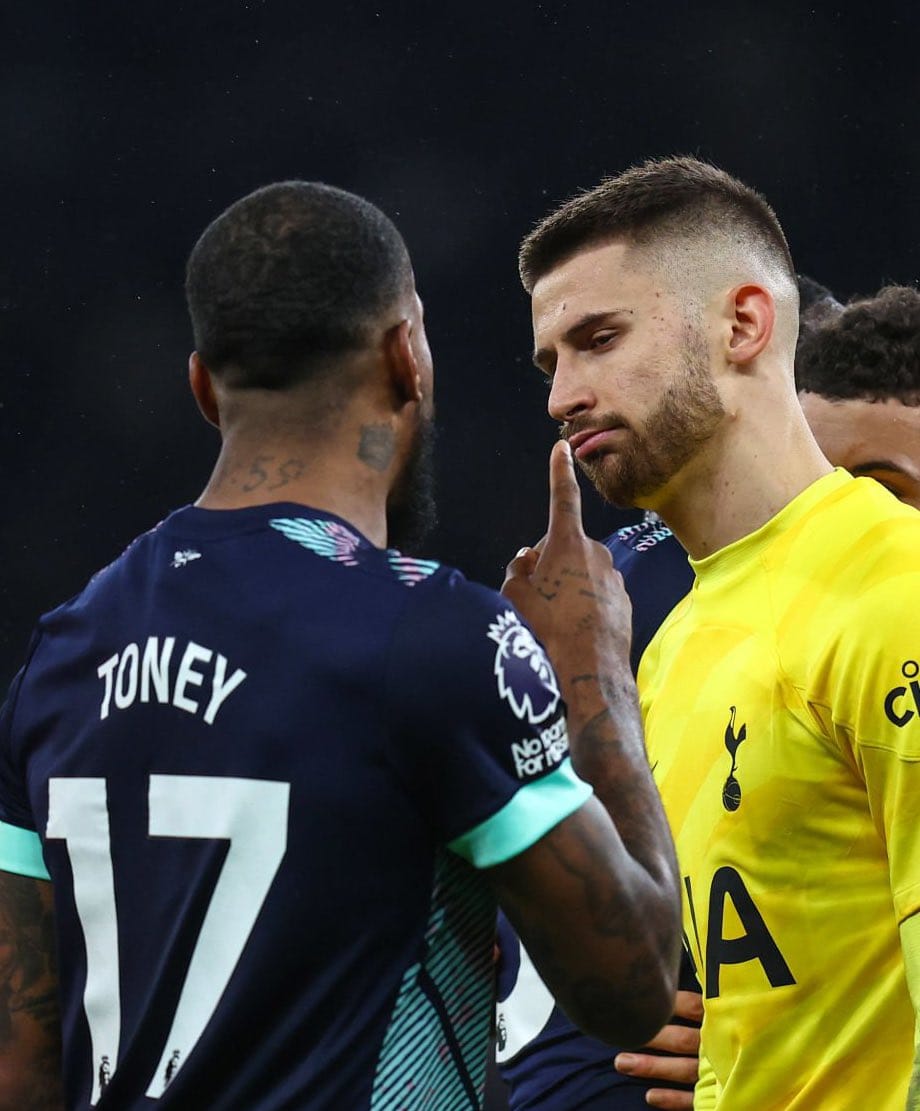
point(602, 339)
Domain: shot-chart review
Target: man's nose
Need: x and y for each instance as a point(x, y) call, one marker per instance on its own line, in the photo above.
point(570, 394)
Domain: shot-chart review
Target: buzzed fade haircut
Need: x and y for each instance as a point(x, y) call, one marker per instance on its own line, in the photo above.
point(680, 197)
point(870, 350)
point(289, 279)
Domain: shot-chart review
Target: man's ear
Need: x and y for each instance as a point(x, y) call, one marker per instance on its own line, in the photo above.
point(199, 378)
point(751, 313)
point(402, 363)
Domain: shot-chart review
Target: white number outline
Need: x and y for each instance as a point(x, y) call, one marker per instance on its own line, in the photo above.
point(252, 814)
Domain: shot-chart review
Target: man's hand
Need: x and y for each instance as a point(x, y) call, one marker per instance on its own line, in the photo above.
point(596, 900)
point(567, 589)
point(683, 1042)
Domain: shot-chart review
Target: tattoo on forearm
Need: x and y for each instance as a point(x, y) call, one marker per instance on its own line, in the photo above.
point(632, 938)
point(610, 753)
point(30, 1024)
point(377, 446)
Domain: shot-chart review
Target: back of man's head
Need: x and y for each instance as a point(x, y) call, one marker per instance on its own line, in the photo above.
point(672, 205)
point(289, 281)
point(870, 350)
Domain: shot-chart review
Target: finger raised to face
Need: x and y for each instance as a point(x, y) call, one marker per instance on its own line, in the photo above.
point(564, 493)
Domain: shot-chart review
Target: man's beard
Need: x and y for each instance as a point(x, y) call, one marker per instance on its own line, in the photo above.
point(684, 419)
point(411, 509)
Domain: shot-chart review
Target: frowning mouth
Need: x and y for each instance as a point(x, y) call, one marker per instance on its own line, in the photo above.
point(592, 440)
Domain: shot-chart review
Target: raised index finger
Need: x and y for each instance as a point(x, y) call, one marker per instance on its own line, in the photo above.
point(564, 494)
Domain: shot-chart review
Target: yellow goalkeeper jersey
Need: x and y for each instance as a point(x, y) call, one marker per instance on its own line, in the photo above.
point(782, 709)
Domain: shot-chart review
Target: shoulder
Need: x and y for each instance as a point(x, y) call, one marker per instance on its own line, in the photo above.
point(850, 631)
point(107, 578)
point(449, 617)
point(861, 519)
point(863, 547)
point(465, 645)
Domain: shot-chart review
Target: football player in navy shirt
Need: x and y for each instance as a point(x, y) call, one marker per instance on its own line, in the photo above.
point(262, 780)
point(545, 1061)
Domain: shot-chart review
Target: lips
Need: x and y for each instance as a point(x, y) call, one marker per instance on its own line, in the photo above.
point(591, 440)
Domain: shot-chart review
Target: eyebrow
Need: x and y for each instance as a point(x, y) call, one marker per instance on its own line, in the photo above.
point(542, 354)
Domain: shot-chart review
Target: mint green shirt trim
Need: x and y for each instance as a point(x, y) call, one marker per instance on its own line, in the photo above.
point(21, 852)
point(522, 821)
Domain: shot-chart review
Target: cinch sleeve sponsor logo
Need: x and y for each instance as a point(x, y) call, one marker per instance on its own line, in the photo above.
point(903, 703)
point(525, 677)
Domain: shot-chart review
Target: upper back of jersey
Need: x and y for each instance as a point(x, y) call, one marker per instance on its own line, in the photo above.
point(783, 729)
point(247, 747)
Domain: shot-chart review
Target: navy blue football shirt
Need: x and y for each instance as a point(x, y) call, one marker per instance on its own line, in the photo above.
point(262, 761)
point(546, 1062)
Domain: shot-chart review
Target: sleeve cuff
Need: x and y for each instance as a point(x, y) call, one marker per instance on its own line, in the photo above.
point(21, 852)
point(534, 810)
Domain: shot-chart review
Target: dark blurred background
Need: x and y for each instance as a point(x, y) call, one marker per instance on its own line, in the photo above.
point(126, 127)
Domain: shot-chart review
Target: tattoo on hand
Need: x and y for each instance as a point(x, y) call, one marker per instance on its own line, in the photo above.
point(548, 588)
point(574, 573)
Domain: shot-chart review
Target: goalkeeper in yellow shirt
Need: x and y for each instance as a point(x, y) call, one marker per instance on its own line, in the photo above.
point(782, 696)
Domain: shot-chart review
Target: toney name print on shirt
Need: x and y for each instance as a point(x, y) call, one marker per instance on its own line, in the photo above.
point(156, 671)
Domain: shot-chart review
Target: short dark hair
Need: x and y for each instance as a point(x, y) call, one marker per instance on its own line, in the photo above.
point(288, 279)
point(870, 350)
point(678, 194)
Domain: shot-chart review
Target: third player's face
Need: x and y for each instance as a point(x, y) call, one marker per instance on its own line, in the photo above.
point(629, 373)
point(880, 439)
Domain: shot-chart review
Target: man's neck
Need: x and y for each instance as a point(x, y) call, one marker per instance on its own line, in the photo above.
point(753, 474)
point(248, 475)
